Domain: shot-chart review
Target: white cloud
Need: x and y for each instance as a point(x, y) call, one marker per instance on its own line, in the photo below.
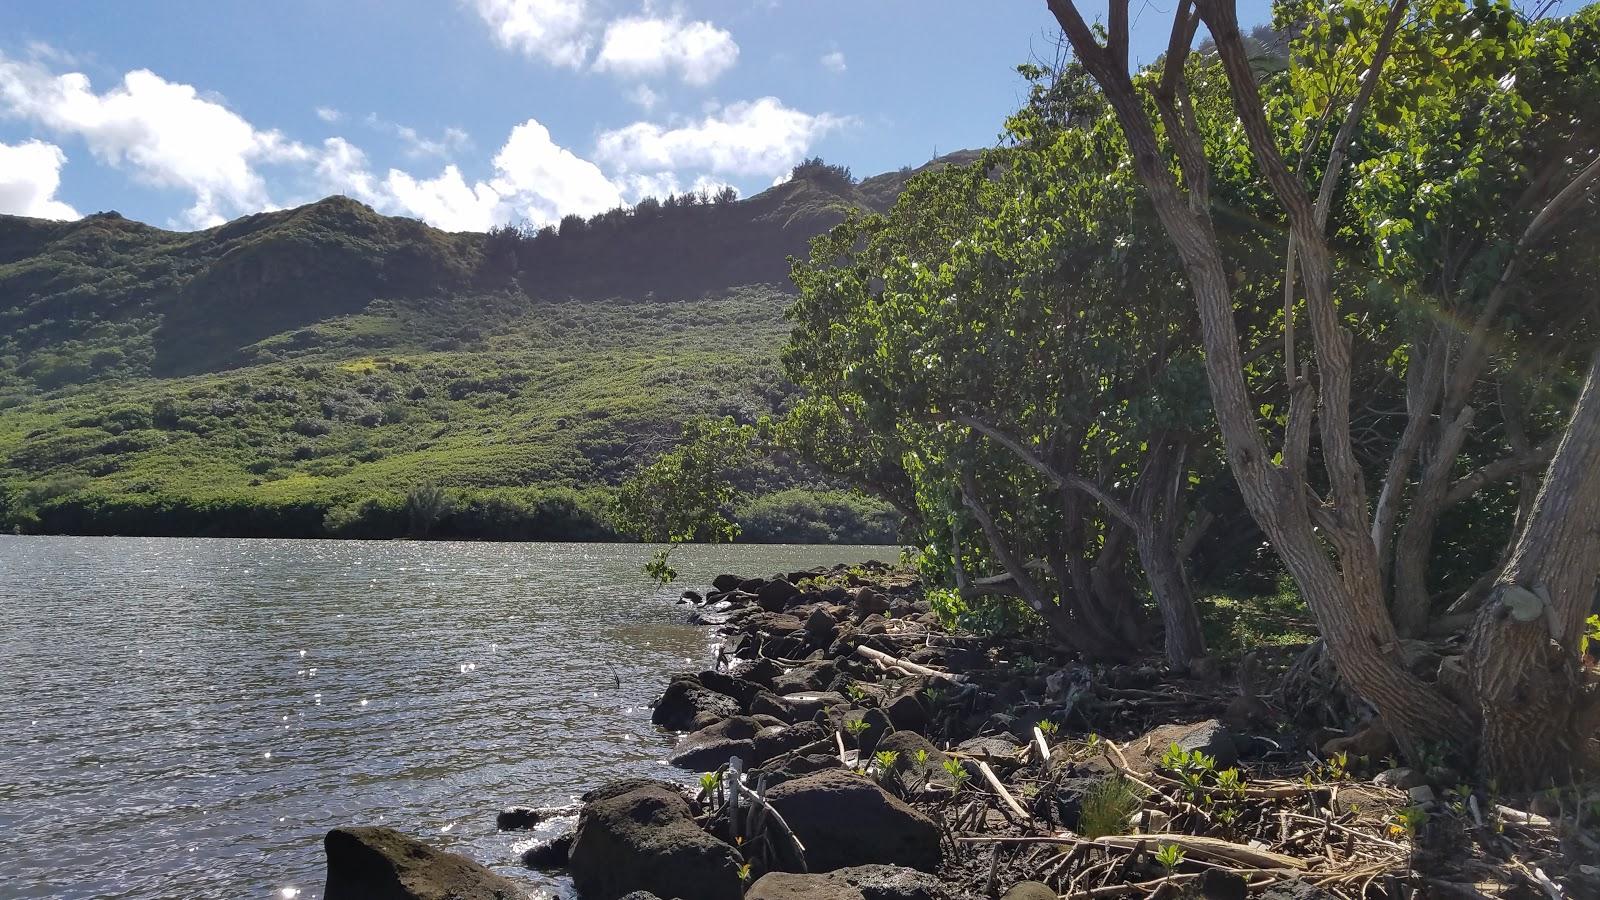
point(329, 114)
point(534, 179)
point(639, 46)
point(643, 96)
point(416, 146)
point(30, 173)
point(757, 138)
point(166, 133)
point(834, 62)
point(446, 201)
point(553, 30)
point(542, 181)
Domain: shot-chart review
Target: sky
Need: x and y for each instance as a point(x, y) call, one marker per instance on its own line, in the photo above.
point(472, 113)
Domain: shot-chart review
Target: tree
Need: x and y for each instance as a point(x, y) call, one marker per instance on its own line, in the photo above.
point(1315, 509)
point(687, 494)
point(1057, 429)
point(425, 505)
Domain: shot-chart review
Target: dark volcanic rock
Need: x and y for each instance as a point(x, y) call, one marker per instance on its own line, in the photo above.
point(991, 748)
point(523, 818)
point(713, 746)
point(776, 741)
point(1210, 737)
point(640, 835)
point(383, 864)
point(551, 854)
point(1030, 890)
point(807, 704)
point(726, 583)
point(867, 738)
point(926, 775)
point(730, 686)
point(907, 711)
point(685, 699)
point(784, 886)
point(846, 820)
point(760, 671)
point(891, 883)
point(780, 770)
point(767, 703)
point(775, 595)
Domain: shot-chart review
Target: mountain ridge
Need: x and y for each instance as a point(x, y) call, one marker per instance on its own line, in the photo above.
point(299, 371)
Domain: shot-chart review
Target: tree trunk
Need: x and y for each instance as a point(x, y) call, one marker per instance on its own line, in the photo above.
point(1183, 641)
point(1523, 651)
point(1347, 597)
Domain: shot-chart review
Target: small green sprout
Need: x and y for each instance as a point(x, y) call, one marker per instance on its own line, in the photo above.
point(956, 770)
point(886, 759)
point(856, 726)
point(1169, 856)
point(1048, 728)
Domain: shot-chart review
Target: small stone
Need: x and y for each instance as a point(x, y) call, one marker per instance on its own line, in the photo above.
point(1402, 779)
point(1422, 795)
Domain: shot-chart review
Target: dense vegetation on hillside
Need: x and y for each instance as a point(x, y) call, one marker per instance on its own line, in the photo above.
point(303, 372)
point(1326, 307)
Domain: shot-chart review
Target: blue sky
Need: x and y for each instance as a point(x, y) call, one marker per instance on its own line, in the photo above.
point(468, 113)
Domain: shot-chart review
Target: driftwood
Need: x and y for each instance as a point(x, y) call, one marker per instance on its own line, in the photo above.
point(887, 663)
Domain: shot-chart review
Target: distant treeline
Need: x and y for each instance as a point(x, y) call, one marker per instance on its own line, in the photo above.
point(430, 512)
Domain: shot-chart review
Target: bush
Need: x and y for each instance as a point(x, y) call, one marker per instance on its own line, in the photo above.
point(808, 517)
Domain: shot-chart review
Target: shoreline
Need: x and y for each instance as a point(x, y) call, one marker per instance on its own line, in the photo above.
point(848, 745)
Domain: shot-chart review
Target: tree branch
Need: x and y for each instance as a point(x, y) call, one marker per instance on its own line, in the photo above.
point(1064, 480)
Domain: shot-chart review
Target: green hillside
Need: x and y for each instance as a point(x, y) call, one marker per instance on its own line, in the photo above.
point(322, 370)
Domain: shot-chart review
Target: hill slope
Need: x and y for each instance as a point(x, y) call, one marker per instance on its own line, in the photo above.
point(300, 372)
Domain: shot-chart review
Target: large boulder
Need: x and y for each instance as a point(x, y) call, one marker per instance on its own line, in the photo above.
point(726, 583)
point(788, 768)
point(928, 775)
point(370, 863)
point(686, 704)
point(878, 882)
point(907, 710)
point(1210, 737)
point(640, 835)
point(778, 740)
point(550, 854)
point(806, 705)
point(730, 686)
point(526, 818)
point(846, 820)
point(714, 745)
point(775, 595)
point(785, 886)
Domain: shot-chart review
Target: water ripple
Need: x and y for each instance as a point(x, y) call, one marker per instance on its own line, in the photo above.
point(186, 718)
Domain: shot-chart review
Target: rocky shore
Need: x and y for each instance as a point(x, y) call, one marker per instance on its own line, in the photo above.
point(849, 746)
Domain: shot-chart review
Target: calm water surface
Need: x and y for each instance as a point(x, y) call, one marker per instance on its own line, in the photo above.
point(186, 718)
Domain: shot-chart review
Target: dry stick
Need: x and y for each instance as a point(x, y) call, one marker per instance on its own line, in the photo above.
point(989, 776)
point(1044, 749)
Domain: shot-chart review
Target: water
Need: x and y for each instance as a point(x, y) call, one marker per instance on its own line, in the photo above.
point(187, 718)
